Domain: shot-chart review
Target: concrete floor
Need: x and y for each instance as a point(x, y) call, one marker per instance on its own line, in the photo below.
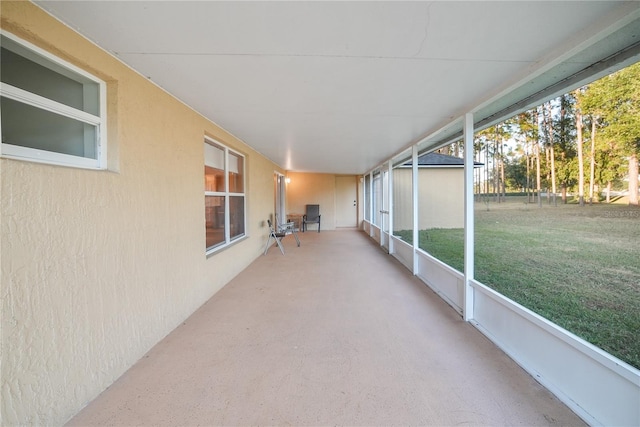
point(335, 332)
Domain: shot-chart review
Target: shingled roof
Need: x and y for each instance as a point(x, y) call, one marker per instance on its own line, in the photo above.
point(440, 160)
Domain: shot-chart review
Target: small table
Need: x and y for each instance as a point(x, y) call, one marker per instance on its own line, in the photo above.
point(296, 219)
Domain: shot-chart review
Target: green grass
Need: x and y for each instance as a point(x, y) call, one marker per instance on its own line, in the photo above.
point(577, 266)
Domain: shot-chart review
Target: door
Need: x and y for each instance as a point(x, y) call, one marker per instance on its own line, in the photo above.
point(346, 201)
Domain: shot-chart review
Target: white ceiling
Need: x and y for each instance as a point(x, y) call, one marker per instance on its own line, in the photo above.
point(339, 87)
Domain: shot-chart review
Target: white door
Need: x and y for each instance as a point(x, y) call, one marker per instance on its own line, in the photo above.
point(346, 201)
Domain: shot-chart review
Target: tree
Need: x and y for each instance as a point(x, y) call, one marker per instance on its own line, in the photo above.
point(550, 142)
point(485, 142)
point(526, 123)
point(564, 134)
point(611, 166)
point(536, 142)
point(579, 145)
point(501, 133)
point(516, 173)
point(616, 100)
point(592, 160)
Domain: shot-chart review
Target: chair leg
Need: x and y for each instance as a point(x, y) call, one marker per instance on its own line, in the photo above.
point(266, 248)
point(280, 245)
point(295, 234)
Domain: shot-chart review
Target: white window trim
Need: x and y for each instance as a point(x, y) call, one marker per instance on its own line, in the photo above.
point(47, 104)
point(100, 122)
point(228, 240)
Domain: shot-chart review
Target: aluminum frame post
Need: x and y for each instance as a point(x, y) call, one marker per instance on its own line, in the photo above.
point(469, 238)
point(390, 214)
point(414, 195)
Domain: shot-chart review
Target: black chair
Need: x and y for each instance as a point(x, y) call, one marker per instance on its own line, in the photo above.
point(311, 216)
point(275, 235)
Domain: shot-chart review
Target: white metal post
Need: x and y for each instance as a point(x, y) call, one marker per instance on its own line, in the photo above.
point(384, 190)
point(468, 217)
point(414, 195)
point(390, 214)
point(371, 221)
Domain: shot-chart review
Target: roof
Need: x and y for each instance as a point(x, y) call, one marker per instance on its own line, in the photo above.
point(440, 160)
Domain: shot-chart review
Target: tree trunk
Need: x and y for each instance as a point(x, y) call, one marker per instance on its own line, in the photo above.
point(553, 176)
point(496, 169)
point(608, 191)
point(633, 179)
point(537, 152)
point(476, 177)
point(479, 174)
point(546, 153)
point(552, 155)
point(538, 185)
point(486, 172)
point(592, 160)
point(548, 157)
point(502, 180)
point(580, 158)
point(528, 178)
point(564, 194)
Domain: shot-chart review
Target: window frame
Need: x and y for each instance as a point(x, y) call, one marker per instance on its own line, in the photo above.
point(99, 122)
point(227, 194)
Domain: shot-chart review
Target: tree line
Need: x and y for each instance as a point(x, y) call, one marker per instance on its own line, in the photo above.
point(585, 142)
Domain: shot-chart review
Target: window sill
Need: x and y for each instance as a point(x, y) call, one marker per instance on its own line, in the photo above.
point(24, 154)
point(216, 250)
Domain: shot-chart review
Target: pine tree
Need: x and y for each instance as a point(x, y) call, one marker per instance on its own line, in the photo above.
point(579, 145)
point(616, 100)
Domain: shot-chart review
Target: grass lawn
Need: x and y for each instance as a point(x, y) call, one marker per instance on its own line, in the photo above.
point(577, 266)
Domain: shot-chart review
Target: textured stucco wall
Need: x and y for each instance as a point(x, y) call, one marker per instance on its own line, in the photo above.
point(98, 266)
point(440, 198)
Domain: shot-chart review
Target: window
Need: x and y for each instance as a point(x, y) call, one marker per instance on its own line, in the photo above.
point(403, 199)
point(367, 197)
point(377, 201)
point(223, 195)
point(51, 111)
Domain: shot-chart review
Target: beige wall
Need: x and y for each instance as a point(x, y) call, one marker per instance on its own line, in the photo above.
point(441, 198)
point(318, 189)
point(313, 189)
point(98, 266)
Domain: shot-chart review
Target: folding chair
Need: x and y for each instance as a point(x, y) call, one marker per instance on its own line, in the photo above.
point(276, 235)
point(288, 228)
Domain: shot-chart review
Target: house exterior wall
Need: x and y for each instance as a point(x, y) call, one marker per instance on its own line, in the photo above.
point(98, 266)
point(440, 196)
